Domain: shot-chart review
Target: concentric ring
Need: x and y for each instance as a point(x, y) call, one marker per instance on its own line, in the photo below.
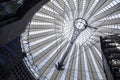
point(48, 34)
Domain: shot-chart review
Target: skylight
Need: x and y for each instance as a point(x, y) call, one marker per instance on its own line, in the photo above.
point(48, 37)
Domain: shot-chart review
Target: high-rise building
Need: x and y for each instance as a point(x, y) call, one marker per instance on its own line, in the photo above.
point(60, 39)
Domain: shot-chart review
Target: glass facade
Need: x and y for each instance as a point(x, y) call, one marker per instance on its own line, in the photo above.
point(10, 7)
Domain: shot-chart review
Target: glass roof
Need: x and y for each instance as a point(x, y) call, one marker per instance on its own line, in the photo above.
point(48, 35)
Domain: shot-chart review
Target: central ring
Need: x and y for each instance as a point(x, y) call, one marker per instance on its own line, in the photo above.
point(80, 23)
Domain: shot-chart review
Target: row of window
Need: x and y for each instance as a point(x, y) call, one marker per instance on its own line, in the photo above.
point(112, 4)
point(117, 26)
point(111, 17)
point(93, 5)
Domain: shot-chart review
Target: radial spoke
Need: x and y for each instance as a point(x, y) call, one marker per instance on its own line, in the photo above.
point(46, 40)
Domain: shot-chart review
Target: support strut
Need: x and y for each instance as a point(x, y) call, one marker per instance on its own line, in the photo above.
point(79, 25)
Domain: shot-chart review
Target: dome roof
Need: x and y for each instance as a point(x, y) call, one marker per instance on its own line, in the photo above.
point(48, 35)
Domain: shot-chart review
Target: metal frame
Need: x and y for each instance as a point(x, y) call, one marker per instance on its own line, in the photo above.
point(25, 48)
